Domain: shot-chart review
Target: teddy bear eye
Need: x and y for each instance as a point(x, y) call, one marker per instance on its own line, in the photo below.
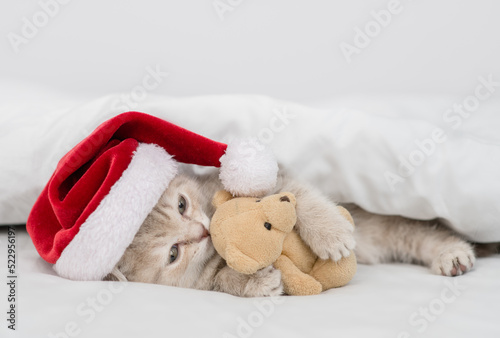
point(267, 226)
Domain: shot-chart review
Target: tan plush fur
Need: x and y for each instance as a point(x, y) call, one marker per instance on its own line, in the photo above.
point(240, 236)
point(304, 273)
point(238, 229)
point(379, 239)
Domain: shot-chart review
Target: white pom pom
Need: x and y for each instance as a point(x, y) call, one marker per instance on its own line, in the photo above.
point(248, 168)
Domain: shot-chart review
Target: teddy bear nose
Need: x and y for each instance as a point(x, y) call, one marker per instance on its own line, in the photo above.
point(284, 199)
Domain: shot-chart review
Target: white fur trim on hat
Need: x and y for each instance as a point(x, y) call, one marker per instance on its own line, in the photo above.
point(248, 168)
point(108, 231)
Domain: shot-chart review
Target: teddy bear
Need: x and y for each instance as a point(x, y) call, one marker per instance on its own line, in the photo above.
point(253, 233)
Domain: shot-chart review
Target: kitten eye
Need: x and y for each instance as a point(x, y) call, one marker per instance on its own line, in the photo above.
point(257, 201)
point(174, 252)
point(182, 205)
point(267, 226)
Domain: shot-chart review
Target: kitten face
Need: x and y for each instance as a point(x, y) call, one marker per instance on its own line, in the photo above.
point(173, 244)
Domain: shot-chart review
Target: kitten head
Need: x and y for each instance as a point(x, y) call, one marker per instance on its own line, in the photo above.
point(173, 244)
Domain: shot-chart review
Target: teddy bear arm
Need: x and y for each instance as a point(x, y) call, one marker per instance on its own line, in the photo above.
point(334, 274)
point(298, 252)
point(295, 282)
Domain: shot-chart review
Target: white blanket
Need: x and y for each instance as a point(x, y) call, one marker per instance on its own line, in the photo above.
point(409, 157)
point(344, 148)
point(381, 301)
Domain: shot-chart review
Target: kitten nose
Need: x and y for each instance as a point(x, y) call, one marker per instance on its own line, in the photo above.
point(205, 233)
point(284, 199)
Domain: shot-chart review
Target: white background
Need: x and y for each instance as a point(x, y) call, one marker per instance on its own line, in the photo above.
point(288, 49)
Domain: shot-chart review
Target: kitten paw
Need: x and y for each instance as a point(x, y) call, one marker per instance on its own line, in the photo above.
point(454, 261)
point(264, 283)
point(335, 243)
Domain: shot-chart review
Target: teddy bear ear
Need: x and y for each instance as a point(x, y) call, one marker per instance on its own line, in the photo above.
point(221, 196)
point(346, 214)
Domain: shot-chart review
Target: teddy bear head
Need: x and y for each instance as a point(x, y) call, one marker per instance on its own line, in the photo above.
point(249, 232)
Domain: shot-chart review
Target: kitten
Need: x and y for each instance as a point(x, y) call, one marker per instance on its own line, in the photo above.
point(173, 246)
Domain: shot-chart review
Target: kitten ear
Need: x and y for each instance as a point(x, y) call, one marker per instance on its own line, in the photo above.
point(116, 276)
point(221, 196)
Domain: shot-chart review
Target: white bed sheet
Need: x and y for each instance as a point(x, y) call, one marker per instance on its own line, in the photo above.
point(379, 302)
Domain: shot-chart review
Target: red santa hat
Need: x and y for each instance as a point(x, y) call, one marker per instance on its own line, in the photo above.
point(104, 188)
